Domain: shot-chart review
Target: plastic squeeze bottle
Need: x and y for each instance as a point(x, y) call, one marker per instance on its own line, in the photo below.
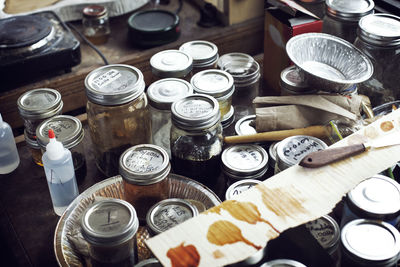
point(60, 174)
point(9, 158)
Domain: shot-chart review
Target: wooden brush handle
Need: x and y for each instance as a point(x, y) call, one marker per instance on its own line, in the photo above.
point(330, 155)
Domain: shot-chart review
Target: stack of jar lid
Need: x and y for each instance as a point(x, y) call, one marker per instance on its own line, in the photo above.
point(204, 54)
point(171, 64)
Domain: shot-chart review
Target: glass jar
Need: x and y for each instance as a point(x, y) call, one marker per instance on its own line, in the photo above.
point(169, 213)
point(37, 105)
point(34, 148)
point(375, 198)
point(204, 54)
point(70, 133)
point(96, 27)
point(110, 226)
point(239, 187)
point(282, 262)
point(369, 243)
point(144, 170)
point(215, 83)
point(341, 17)
point(118, 113)
point(379, 38)
point(292, 149)
point(162, 94)
point(196, 138)
point(171, 64)
point(241, 162)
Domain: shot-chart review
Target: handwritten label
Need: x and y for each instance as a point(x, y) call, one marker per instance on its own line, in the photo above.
point(64, 128)
point(170, 216)
point(296, 149)
point(196, 108)
point(244, 158)
point(144, 161)
point(106, 78)
point(322, 230)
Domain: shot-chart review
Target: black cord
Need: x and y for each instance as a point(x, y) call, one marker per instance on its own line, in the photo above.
point(179, 7)
point(89, 43)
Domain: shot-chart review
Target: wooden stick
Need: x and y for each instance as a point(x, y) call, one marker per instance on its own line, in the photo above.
point(316, 131)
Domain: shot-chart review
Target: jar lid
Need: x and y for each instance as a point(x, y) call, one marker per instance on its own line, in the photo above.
point(169, 213)
point(227, 58)
point(377, 197)
point(239, 187)
point(283, 263)
point(245, 161)
point(68, 131)
point(272, 154)
point(243, 68)
point(195, 112)
point(32, 143)
point(144, 164)
point(292, 149)
point(114, 84)
point(228, 118)
point(152, 262)
point(325, 230)
point(164, 92)
point(216, 83)
point(243, 127)
point(203, 53)
point(349, 10)
point(370, 240)
point(109, 222)
point(380, 29)
point(171, 64)
point(291, 80)
point(94, 11)
point(40, 103)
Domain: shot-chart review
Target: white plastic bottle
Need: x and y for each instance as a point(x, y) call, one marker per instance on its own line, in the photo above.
point(9, 158)
point(60, 174)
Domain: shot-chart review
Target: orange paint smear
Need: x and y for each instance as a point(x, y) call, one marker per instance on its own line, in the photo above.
point(386, 126)
point(218, 254)
point(184, 256)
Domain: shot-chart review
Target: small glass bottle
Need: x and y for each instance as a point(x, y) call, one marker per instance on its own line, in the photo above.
point(196, 138)
point(144, 170)
point(9, 158)
point(379, 38)
point(96, 27)
point(162, 94)
point(110, 227)
point(341, 17)
point(118, 113)
point(204, 54)
point(171, 64)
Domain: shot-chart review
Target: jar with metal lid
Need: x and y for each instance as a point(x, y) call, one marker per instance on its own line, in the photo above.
point(34, 148)
point(196, 138)
point(379, 38)
point(70, 133)
point(171, 64)
point(239, 187)
point(282, 263)
point(96, 27)
point(272, 154)
point(246, 161)
point(169, 213)
point(327, 232)
point(291, 83)
point(369, 243)
point(341, 17)
point(118, 113)
point(215, 83)
point(227, 122)
point(292, 149)
point(204, 54)
point(109, 226)
point(244, 126)
point(144, 170)
point(162, 94)
point(375, 198)
point(38, 105)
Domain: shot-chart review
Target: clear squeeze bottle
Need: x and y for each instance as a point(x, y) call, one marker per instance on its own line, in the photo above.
point(60, 174)
point(9, 158)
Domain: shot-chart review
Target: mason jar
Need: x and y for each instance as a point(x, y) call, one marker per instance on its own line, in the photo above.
point(204, 54)
point(70, 133)
point(215, 83)
point(118, 113)
point(239, 187)
point(196, 138)
point(379, 38)
point(369, 243)
point(171, 64)
point(95, 22)
point(162, 94)
point(109, 227)
point(246, 125)
point(37, 105)
point(144, 170)
point(341, 17)
point(375, 198)
point(34, 148)
point(292, 149)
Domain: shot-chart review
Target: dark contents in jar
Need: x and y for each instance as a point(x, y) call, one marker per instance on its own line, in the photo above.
point(79, 162)
point(109, 161)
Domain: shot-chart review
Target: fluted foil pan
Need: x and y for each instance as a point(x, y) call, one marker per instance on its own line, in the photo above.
point(179, 187)
point(327, 62)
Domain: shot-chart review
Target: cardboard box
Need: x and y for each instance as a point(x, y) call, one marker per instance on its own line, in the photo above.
point(282, 23)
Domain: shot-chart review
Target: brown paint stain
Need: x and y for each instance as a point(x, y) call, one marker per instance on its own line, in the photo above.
point(386, 126)
point(280, 201)
point(218, 254)
point(216, 209)
point(184, 256)
point(224, 232)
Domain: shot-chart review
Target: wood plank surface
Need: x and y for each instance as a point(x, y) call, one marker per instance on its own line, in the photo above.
point(236, 229)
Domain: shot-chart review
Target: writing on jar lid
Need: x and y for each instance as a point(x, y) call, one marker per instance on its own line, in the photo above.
point(196, 108)
point(106, 78)
point(322, 230)
point(144, 161)
point(251, 156)
point(298, 148)
point(171, 215)
point(59, 126)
